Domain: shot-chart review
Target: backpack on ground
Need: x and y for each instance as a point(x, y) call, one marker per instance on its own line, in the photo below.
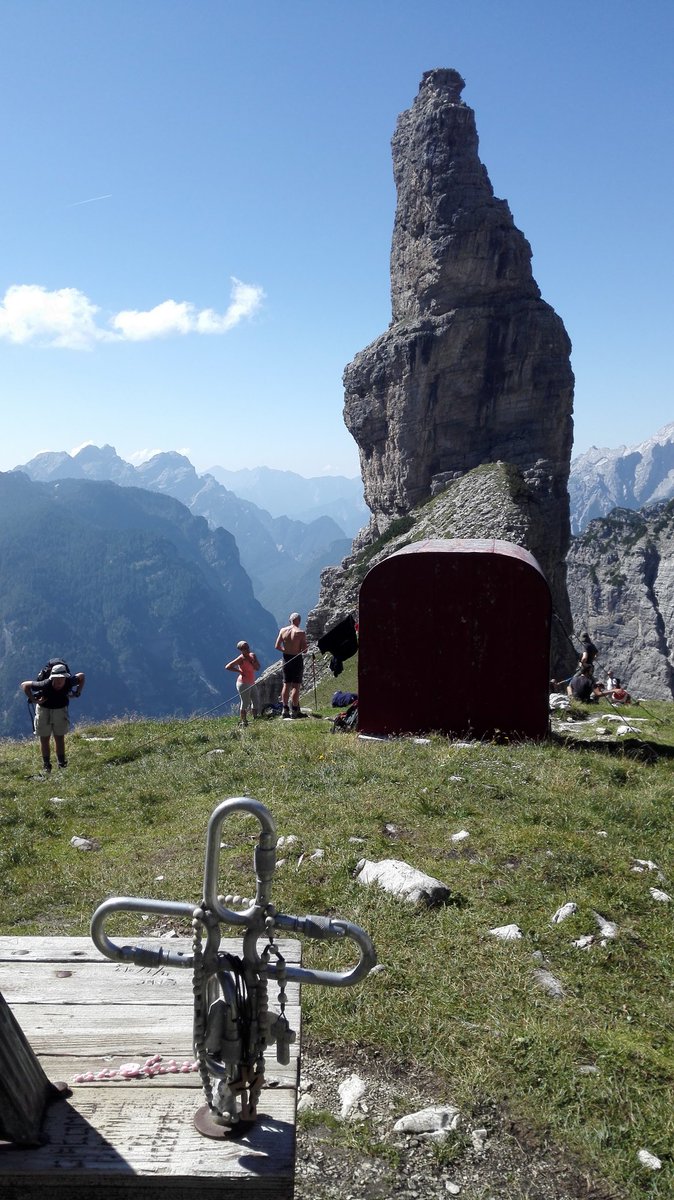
point(346, 721)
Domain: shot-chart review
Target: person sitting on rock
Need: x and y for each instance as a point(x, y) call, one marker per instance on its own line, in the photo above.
point(618, 693)
point(583, 687)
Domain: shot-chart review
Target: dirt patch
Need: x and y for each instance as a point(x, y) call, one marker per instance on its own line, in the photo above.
point(363, 1159)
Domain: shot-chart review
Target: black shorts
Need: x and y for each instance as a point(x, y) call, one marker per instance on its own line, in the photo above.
point(293, 668)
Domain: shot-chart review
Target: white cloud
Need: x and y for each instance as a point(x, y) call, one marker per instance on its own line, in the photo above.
point(142, 456)
point(67, 318)
point(138, 457)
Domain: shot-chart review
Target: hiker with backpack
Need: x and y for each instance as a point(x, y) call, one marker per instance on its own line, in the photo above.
point(51, 693)
point(246, 664)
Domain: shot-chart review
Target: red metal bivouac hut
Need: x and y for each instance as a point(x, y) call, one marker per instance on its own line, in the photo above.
point(455, 638)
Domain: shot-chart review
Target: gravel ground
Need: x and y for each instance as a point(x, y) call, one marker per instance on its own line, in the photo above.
point(511, 1165)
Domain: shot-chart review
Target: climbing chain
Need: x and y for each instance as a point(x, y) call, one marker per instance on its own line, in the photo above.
point(232, 1086)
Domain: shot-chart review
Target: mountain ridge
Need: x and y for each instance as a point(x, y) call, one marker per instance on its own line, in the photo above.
point(632, 477)
point(282, 556)
point(131, 587)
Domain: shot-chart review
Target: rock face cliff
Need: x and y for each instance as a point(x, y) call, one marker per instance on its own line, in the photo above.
point(621, 587)
point(474, 367)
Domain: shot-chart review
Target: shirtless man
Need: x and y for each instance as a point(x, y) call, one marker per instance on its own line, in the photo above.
point(292, 641)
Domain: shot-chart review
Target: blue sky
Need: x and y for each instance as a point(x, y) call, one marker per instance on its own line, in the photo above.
point(197, 206)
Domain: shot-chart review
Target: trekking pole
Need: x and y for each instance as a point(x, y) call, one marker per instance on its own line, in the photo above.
point(313, 664)
point(31, 710)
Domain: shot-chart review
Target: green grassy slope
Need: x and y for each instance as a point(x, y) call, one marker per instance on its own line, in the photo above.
point(547, 823)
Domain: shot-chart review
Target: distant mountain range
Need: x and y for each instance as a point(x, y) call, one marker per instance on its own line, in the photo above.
point(131, 587)
point(282, 555)
point(283, 493)
point(628, 477)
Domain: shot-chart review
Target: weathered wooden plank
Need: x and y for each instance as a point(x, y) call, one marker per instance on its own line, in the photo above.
point(107, 1130)
point(89, 1030)
point(65, 949)
point(65, 1067)
point(129, 1139)
point(26, 981)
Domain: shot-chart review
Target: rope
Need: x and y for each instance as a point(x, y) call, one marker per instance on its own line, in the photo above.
point(232, 699)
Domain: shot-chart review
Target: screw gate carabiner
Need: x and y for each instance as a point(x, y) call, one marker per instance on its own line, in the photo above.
point(232, 1022)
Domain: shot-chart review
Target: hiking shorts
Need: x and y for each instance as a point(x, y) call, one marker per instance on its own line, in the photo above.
point(50, 721)
point(246, 695)
point(293, 668)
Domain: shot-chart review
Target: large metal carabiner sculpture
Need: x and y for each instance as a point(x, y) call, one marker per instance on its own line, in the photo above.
point(232, 1022)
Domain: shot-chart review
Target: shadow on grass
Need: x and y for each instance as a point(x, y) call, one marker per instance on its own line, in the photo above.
point(640, 749)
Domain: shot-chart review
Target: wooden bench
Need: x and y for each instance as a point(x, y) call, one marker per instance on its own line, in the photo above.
point(123, 1138)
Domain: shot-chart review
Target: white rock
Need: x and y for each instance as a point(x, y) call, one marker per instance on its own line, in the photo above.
point(460, 836)
point(643, 864)
point(422, 741)
point(601, 729)
point(350, 1092)
point(429, 1120)
point(607, 929)
point(588, 1069)
point(602, 833)
point(649, 1160)
point(317, 854)
point(547, 982)
point(158, 878)
point(287, 841)
point(97, 739)
point(456, 779)
point(452, 1188)
point(582, 943)
point(356, 841)
point(212, 752)
point(507, 933)
point(306, 1102)
point(84, 843)
point(377, 969)
point(663, 897)
point(621, 730)
point(566, 910)
point(400, 879)
point(56, 800)
point(478, 1137)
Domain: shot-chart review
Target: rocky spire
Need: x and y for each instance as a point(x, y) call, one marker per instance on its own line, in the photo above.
point(474, 367)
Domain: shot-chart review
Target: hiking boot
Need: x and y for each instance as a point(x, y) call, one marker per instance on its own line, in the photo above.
point(46, 764)
point(63, 762)
point(285, 712)
point(297, 712)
